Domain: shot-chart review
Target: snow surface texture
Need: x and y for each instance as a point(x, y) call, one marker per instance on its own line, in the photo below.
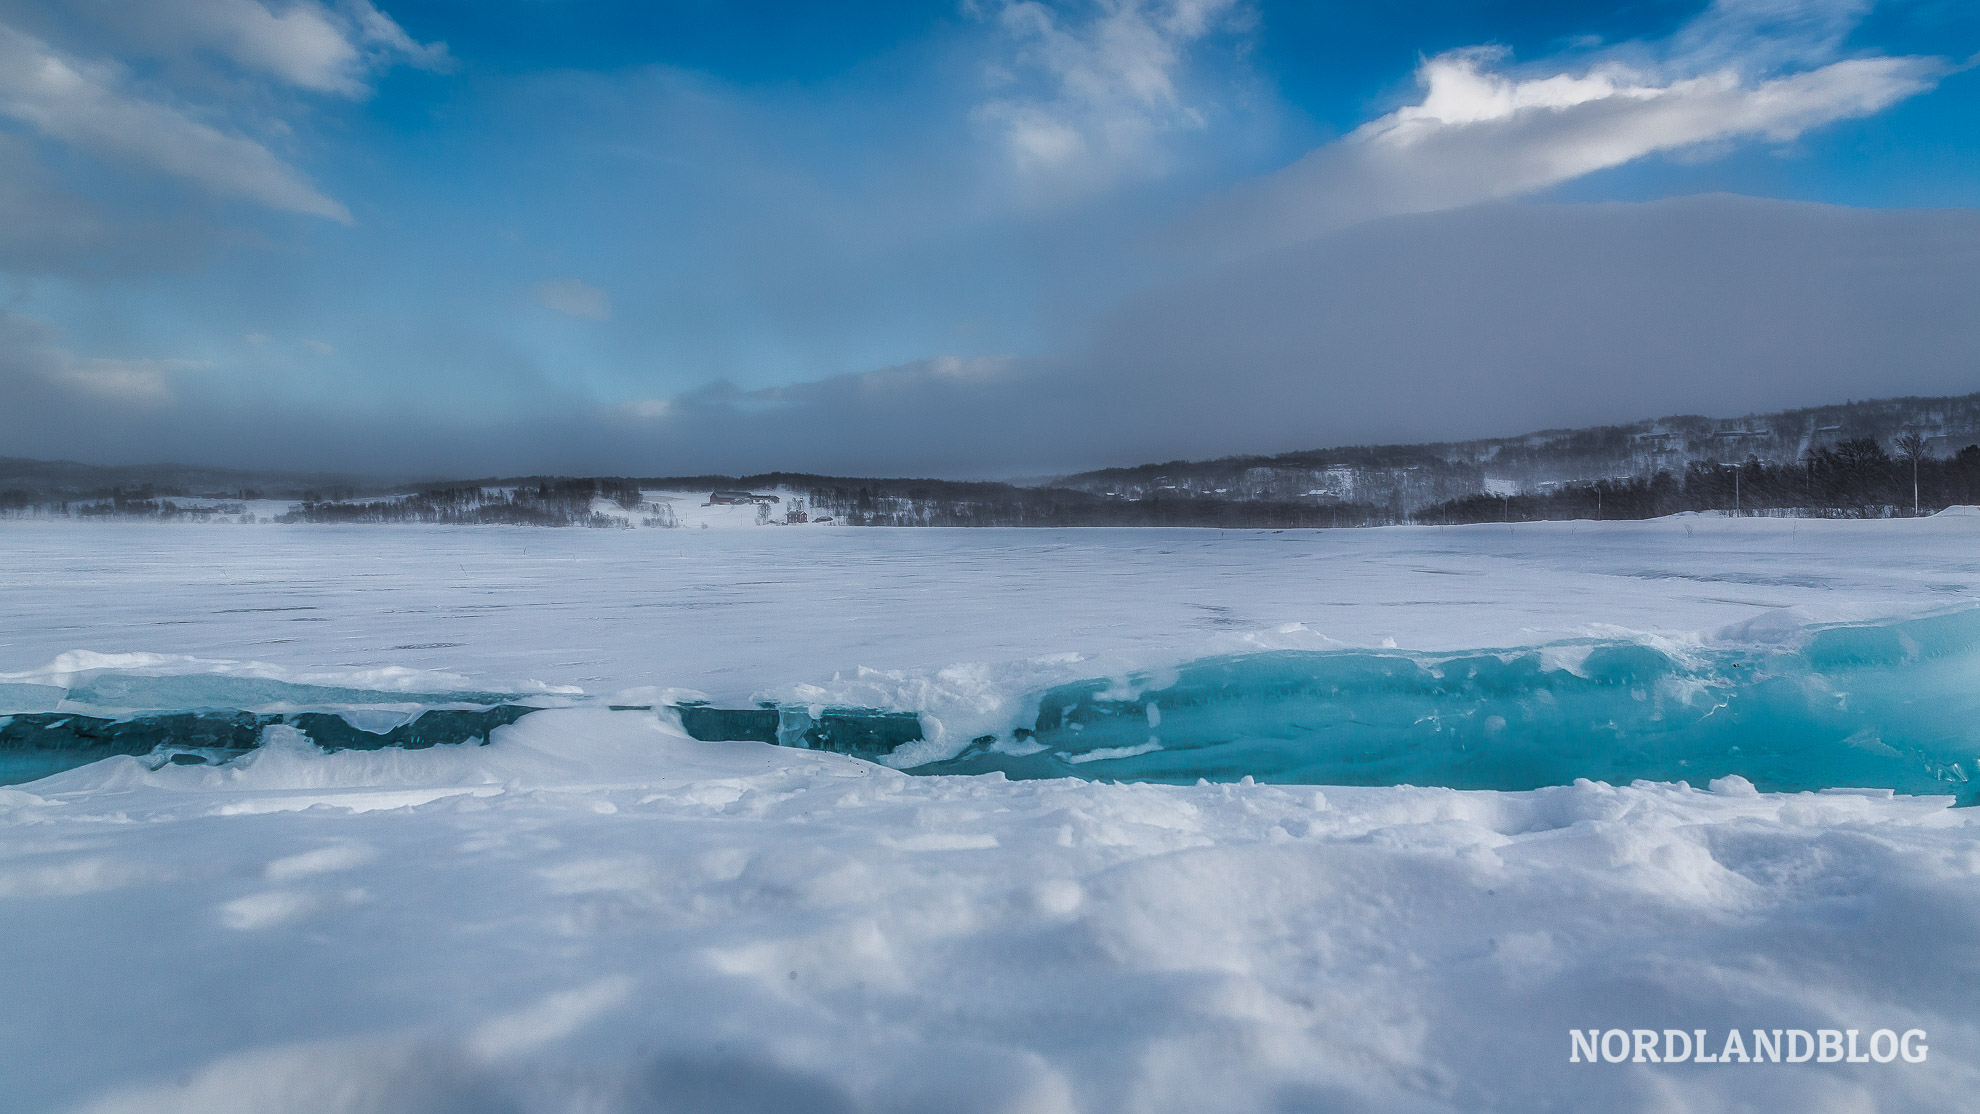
point(593, 913)
point(596, 914)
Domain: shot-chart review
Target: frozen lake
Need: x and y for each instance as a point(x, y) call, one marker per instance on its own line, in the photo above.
point(594, 912)
point(743, 613)
point(1664, 650)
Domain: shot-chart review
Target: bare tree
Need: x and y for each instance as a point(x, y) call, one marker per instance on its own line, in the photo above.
point(1910, 447)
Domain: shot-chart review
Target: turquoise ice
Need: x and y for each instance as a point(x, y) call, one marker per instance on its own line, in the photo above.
point(1893, 706)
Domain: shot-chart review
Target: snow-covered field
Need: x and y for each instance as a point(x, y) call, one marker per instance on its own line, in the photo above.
point(593, 913)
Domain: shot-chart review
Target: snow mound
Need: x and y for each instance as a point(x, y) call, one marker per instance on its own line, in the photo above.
point(594, 912)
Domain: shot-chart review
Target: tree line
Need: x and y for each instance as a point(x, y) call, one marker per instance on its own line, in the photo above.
point(550, 502)
point(1857, 478)
point(944, 503)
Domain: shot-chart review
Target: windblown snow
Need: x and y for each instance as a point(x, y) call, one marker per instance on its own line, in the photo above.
point(595, 913)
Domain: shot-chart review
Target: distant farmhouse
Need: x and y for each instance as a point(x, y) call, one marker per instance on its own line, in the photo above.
point(738, 499)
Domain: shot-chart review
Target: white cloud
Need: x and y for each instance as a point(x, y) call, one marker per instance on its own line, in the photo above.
point(1746, 70)
point(386, 41)
point(574, 298)
point(647, 409)
point(310, 45)
point(966, 368)
point(140, 382)
point(33, 363)
point(1505, 136)
point(83, 94)
point(302, 45)
point(320, 347)
point(1089, 100)
point(86, 105)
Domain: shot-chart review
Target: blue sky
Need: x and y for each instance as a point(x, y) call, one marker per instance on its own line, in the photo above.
point(571, 234)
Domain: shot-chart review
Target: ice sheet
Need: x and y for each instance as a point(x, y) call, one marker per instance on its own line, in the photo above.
point(957, 622)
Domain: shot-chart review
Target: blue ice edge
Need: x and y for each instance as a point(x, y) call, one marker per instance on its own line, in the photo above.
point(194, 718)
point(1887, 706)
point(1869, 706)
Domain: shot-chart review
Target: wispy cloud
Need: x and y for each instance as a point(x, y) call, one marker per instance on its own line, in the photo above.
point(1483, 129)
point(1086, 99)
point(81, 86)
point(317, 47)
point(647, 409)
point(140, 382)
point(86, 105)
point(33, 362)
point(574, 298)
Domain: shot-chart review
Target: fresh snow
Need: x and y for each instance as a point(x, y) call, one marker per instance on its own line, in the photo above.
point(594, 913)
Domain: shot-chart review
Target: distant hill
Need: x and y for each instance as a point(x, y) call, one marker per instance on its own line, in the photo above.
point(1406, 478)
point(1868, 458)
point(45, 480)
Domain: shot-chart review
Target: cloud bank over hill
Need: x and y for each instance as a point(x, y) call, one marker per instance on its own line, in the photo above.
point(1483, 321)
point(1488, 320)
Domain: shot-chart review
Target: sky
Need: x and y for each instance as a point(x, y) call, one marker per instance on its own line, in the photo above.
point(985, 238)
